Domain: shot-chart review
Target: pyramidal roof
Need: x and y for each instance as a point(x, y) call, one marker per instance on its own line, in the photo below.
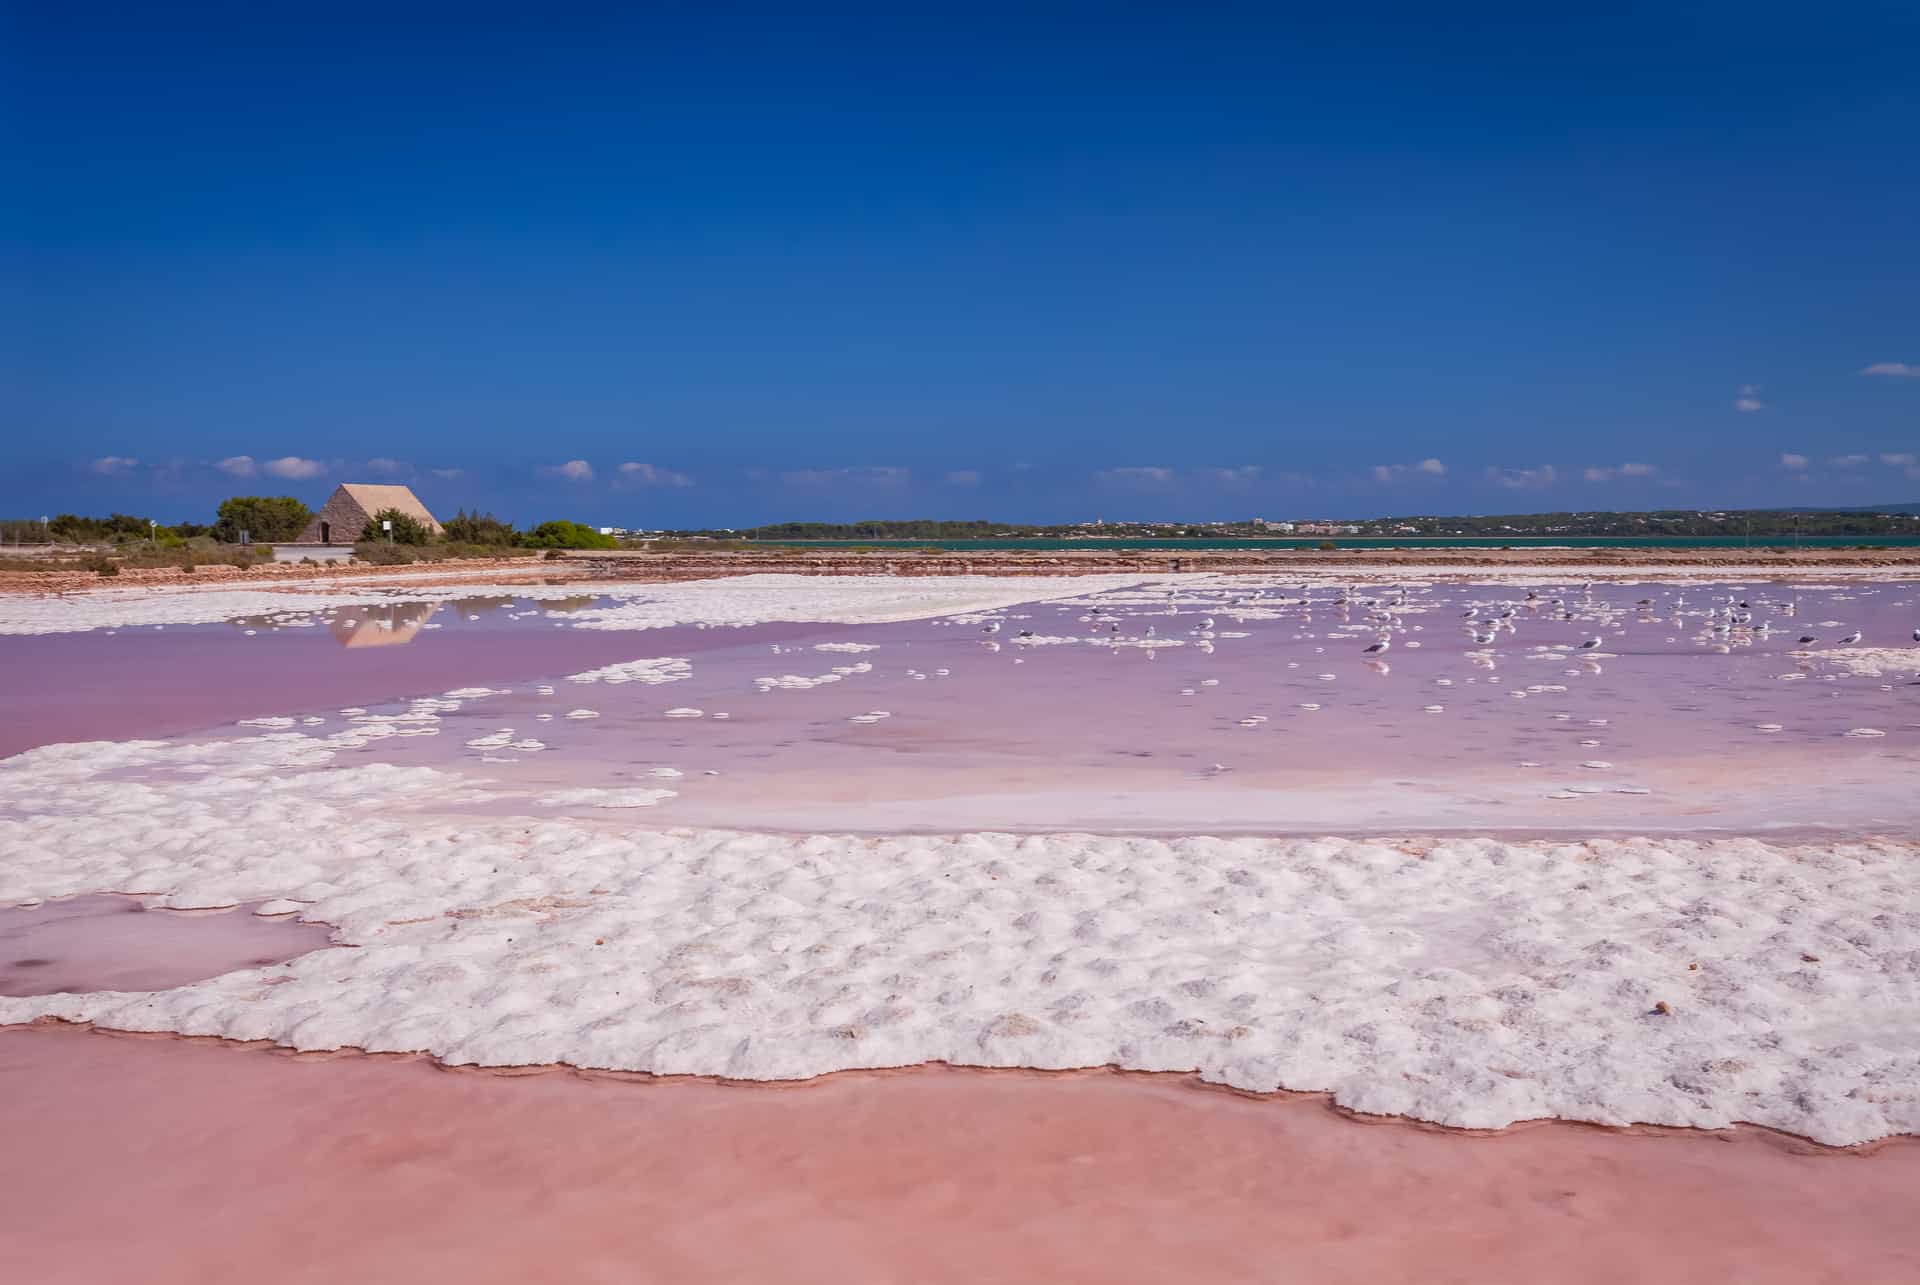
point(372, 498)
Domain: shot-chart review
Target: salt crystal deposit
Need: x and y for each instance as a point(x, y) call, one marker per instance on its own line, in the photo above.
point(1469, 982)
point(520, 901)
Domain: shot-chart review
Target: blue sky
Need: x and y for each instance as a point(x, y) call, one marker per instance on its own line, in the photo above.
point(687, 265)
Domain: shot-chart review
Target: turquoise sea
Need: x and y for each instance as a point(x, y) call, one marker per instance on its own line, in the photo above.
point(1379, 542)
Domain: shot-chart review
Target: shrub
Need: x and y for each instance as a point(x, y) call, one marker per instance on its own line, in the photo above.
point(407, 529)
point(101, 565)
point(1328, 546)
point(381, 554)
point(263, 517)
point(479, 528)
point(567, 535)
point(80, 530)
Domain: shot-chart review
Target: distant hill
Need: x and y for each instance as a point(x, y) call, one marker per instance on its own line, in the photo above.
point(1912, 509)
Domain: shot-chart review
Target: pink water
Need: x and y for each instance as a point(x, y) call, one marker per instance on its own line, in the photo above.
point(1212, 734)
point(163, 1161)
point(140, 683)
point(102, 943)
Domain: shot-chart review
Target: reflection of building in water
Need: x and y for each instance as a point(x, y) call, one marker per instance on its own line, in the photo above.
point(570, 604)
point(387, 626)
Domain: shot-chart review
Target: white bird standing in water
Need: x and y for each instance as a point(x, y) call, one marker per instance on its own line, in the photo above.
point(1850, 639)
point(1589, 644)
point(992, 627)
point(1379, 647)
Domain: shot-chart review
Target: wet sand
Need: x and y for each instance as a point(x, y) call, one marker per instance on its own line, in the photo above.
point(167, 1160)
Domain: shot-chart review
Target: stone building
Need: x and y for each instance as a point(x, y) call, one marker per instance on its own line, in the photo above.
point(344, 517)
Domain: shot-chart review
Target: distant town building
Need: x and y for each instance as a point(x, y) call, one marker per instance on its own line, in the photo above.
point(344, 517)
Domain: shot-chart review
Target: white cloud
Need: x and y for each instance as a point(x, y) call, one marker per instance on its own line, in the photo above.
point(1749, 398)
point(963, 477)
point(237, 466)
point(292, 466)
point(114, 465)
point(1848, 461)
point(1388, 473)
point(447, 473)
point(571, 471)
point(1900, 459)
point(1137, 476)
point(1789, 460)
point(868, 475)
point(1894, 369)
point(1523, 479)
point(648, 475)
point(391, 468)
point(1245, 475)
point(1608, 472)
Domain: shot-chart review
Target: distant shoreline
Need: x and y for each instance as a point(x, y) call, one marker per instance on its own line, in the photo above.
point(1434, 559)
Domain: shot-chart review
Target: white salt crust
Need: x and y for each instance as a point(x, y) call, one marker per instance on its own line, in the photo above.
point(1470, 982)
point(761, 599)
point(730, 601)
point(1874, 662)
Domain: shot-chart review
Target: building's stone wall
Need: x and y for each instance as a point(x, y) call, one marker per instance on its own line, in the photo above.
point(344, 519)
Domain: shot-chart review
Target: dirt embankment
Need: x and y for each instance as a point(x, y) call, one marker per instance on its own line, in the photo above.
point(56, 578)
point(688, 566)
point(683, 565)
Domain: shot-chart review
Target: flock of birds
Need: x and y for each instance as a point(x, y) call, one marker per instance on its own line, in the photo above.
point(1723, 618)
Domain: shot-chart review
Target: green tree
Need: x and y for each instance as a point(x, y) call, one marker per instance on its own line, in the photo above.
point(266, 518)
point(406, 528)
point(567, 535)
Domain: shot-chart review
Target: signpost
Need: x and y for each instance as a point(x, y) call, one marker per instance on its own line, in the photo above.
point(386, 524)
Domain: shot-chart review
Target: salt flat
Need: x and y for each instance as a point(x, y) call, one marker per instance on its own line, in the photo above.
point(774, 859)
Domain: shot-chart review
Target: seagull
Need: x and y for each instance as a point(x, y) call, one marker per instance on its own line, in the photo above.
point(1589, 644)
point(992, 627)
point(1850, 639)
point(1916, 635)
point(1378, 647)
point(1807, 638)
point(1206, 622)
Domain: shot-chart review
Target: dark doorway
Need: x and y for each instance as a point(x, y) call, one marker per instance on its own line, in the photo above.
point(326, 533)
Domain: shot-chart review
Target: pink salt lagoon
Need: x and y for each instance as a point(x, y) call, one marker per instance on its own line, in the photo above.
point(1274, 720)
point(101, 943)
point(240, 1164)
point(942, 725)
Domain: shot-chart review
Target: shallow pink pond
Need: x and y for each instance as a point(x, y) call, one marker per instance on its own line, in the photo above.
point(245, 1165)
point(102, 943)
point(1273, 719)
